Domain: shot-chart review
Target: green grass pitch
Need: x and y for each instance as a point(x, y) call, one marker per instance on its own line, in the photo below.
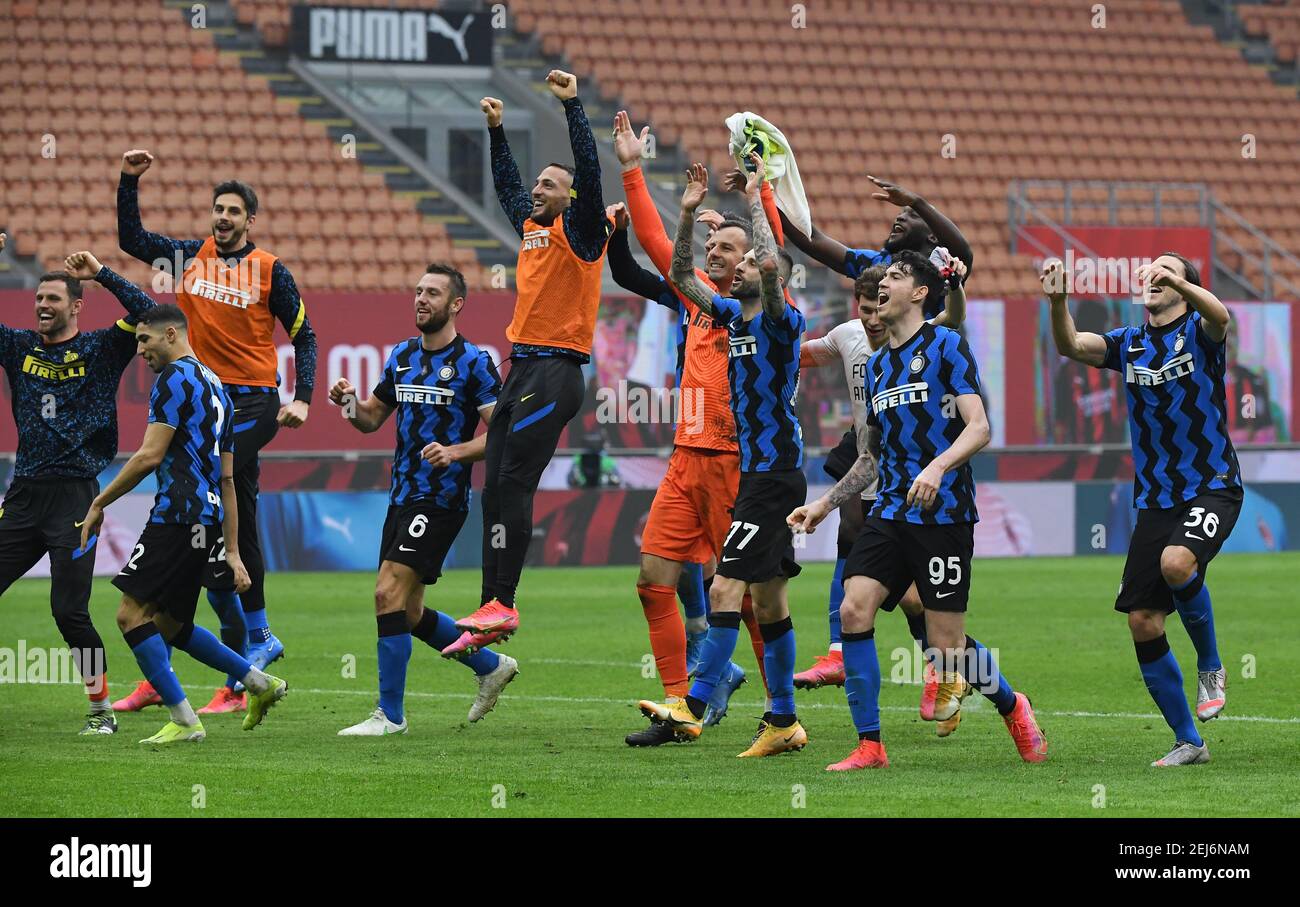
point(554, 746)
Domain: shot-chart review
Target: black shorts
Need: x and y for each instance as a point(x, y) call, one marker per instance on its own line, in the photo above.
point(842, 456)
point(39, 516)
point(167, 567)
point(217, 575)
point(759, 545)
point(419, 535)
point(1201, 525)
point(935, 556)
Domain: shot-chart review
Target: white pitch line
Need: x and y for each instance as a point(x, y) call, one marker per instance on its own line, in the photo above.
point(1262, 719)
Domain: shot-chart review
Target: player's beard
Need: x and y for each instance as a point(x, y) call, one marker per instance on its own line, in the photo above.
point(437, 321)
point(57, 324)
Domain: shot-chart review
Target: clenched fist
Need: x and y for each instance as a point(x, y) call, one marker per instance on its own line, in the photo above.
point(136, 162)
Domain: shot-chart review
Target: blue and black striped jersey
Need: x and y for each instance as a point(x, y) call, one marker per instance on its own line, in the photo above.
point(913, 391)
point(438, 396)
point(1174, 376)
point(763, 368)
point(64, 395)
point(190, 398)
point(858, 260)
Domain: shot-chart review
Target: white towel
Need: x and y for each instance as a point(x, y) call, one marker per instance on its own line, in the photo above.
point(782, 171)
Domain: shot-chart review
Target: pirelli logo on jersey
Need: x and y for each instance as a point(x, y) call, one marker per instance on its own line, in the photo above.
point(1177, 367)
point(418, 393)
point(232, 296)
point(743, 346)
point(903, 395)
point(50, 371)
point(536, 239)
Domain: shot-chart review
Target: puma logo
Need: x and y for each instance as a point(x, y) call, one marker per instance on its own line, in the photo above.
point(440, 26)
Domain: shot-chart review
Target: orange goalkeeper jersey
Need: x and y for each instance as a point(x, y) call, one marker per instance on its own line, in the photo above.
point(706, 419)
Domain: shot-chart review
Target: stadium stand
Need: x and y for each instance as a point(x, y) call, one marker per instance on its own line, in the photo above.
point(1278, 22)
point(907, 78)
point(334, 219)
point(1103, 105)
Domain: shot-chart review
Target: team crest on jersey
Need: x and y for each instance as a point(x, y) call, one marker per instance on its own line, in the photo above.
point(70, 356)
point(536, 239)
point(743, 346)
point(418, 393)
point(446, 372)
point(1178, 367)
point(903, 395)
point(1178, 344)
point(918, 363)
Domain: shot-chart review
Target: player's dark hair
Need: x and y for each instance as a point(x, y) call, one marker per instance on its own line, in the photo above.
point(243, 190)
point(163, 316)
point(565, 167)
point(73, 285)
point(868, 282)
point(455, 279)
point(922, 272)
point(1189, 270)
point(740, 223)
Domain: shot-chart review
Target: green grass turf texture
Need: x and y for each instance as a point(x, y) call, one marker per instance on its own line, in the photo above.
point(554, 745)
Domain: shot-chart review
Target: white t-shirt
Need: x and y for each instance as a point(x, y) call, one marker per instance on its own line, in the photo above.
point(848, 343)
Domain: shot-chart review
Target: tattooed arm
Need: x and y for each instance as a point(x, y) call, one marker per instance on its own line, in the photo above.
point(807, 517)
point(764, 244)
point(682, 271)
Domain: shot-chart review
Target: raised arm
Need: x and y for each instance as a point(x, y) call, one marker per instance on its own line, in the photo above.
point(286, 305)
point(646, 222)
point(954, 302)
point(1215, 316)
point(132, 237)
point(944, 230)
point(627, 273)
point(819, 247)
point(584, 221)
point(505, 172)
point(683, 265)
point(1090, 349)
point(84, 266)
point(764, 243)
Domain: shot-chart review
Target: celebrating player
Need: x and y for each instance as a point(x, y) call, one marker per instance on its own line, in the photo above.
point(188, 442)
point(919, 227)
point(1186, 484)
point(922, 527)
point(688, 518)
point(563, 227)
point(440, 385)
point(232, 293)
point(696, 492)
point(851, 344)
point(63, 385)
point(763, 369)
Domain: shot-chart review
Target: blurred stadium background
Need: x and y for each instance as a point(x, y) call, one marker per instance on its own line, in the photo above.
point(1114, 130)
